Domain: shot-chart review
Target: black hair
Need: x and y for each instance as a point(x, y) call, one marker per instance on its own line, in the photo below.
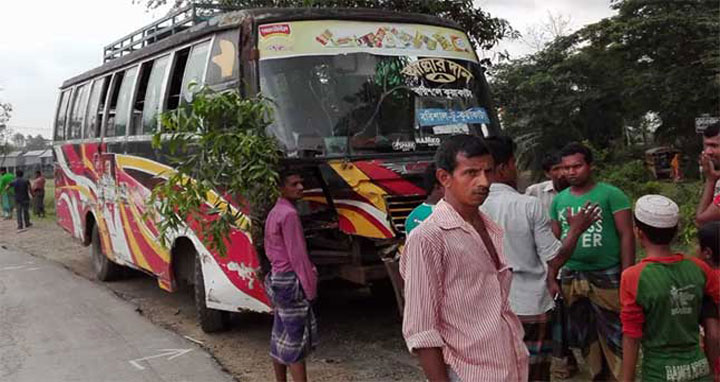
point(709, 237)
point(3, 169)
point(286, 172)
point(550, 160)
point(470, 145)
point(19, 173)
point(573, 148)
point(712, 130)
point(658, 236)
point(38, 172)
point(429, 178)
point(502, 148)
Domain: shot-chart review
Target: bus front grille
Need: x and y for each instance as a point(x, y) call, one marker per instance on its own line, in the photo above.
point(399, 207)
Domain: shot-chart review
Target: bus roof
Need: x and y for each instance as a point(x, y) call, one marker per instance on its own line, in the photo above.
point(233, 19)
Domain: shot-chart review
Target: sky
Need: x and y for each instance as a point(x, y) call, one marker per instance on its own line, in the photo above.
point(39, 50)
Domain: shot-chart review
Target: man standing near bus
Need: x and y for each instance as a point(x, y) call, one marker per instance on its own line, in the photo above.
point(591, 277)
point(292, 283)
point(457, 317)
point(546, 191)
point(708, 209)
point(37, 187)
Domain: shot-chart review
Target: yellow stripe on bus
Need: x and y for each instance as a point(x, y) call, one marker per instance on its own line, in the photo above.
point(154, 243)
point(134, 247)
point(360, 183)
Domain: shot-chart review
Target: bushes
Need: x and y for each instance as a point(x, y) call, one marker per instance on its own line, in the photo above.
point(635, 180)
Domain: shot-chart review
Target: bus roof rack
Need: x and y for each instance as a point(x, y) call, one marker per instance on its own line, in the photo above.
point(173, 23)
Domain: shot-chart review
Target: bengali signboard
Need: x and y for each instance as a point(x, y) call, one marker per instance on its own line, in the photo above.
point(331, 37)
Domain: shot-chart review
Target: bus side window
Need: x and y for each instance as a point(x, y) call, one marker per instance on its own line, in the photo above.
point(96, 104)
point(173, 100)
point(77, 112)
point(60, 116)
point(139, 102)
point(194, 76)
point(153, 95)
point(114, 92)
point(223, 68)
point(122, 110)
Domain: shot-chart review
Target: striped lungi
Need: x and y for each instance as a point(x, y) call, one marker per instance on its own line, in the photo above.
point(294, 332)
point(592, 305)
point(538, 340)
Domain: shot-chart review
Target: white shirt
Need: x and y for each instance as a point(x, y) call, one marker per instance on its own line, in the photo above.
point(545, 191)
point(528, 244)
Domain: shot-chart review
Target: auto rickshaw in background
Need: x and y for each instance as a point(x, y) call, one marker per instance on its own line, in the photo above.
point(664, 162)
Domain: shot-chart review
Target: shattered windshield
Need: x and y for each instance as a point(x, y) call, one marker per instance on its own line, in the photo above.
point(363, 102)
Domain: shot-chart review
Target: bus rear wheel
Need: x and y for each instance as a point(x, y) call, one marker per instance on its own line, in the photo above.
point(211, 320)
point(105, 269)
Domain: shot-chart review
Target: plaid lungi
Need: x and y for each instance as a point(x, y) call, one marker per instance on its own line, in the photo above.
point(294, 332)
point(538, 340)
point(592, 304)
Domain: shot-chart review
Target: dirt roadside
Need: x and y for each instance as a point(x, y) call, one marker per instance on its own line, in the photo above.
point(359, 336)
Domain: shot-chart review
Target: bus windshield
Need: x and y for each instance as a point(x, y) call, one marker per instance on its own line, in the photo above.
point(366, 101)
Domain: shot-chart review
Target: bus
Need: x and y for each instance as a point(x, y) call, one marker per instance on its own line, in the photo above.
point(361, 99)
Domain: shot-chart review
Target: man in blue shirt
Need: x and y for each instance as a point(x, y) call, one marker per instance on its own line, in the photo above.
point(434, 191)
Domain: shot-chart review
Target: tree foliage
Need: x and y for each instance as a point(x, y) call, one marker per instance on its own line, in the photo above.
point(5, 114)
point(225, 167)
point(484, 30)
point(659, 57)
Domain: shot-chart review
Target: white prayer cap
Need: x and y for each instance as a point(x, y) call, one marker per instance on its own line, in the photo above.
point(657, 211)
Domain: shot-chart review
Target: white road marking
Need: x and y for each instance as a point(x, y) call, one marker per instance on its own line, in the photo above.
point(170, 353)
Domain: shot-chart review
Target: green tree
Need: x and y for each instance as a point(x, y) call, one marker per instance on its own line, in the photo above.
point(5, 114)
point(484, 30)
point(224, 167)
point(655, 57)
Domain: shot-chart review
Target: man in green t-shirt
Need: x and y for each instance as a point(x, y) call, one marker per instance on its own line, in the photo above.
point(435, 192)
point(591, 276)
point(6, 193)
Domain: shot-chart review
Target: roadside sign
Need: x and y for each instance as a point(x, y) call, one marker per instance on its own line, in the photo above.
point(701, 123)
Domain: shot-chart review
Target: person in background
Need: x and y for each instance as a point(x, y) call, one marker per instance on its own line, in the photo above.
point(709, 206)
point(292, 283)
point(21, 187)
point(591, 277)
point(434, 191)
point(37, 188)
point(546, 191)
point(457, 318)
point(709, 251)
point(662, 299)
point(6, 193)
point(529, 245)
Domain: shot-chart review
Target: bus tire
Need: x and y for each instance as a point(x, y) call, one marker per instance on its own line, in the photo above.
point(211, 320)
point(105, 269)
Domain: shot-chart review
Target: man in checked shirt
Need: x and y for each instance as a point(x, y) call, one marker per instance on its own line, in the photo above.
point(457, 317)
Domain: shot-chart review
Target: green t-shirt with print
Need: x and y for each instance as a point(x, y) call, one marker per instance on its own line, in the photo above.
point(417, 216)
point(599, 246)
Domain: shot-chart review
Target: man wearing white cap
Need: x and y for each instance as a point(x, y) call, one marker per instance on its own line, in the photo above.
point(661, 300)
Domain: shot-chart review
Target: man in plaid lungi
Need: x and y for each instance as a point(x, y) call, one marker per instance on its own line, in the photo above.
point(291, 285)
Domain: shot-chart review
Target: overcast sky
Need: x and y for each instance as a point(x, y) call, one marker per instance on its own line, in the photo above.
point(41, 49)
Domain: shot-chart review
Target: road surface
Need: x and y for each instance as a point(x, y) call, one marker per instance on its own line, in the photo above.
point(57, 326)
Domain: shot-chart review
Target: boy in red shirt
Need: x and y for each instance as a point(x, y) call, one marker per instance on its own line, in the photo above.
point(662, 299)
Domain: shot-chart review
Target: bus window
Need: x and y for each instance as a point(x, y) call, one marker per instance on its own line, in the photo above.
point(181, 58)
point(194, 71)
point(153, 95)
point(114, 92)
point(123, 102)
point(223, 66)
point(77, 112)
point(96, 104)
point(136, 117)
point(60, 117)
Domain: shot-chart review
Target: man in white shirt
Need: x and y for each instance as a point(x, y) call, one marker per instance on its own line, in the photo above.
point(546, 191)
point(529, 245)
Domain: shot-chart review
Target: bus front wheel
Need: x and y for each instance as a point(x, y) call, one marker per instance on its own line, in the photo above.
point(105, 269)
point(211, 320)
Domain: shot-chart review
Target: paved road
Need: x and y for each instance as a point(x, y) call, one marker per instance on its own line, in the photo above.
point(56, 326)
